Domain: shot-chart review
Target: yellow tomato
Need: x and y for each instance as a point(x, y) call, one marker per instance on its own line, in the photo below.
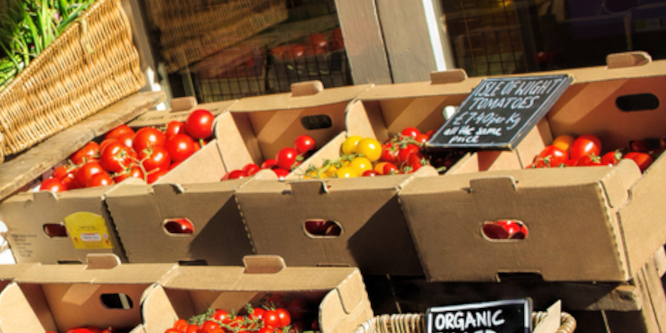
point(350, 145)
point(329, 172)
point(346, 172)
point(360, 164)
point(563, 142)
point(379, 167)
point(370, 148)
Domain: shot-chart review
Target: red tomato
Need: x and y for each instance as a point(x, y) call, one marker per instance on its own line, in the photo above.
point(53, 184)
point(390, 169)
point(199, 124)
point(551, 156)
point(208, 326)
point(66, 175)
point(180, 147)
point(265, 330)
point(155, 158)
point(86, 171)
point(89, 152)
point(116, 157)
point(118, 131)
point(286, 158)
point(285, 317)
point(170, 330)
point(370, 173)
point(589, 160)
point(174, 165)
point(192, 328)
point(429, 134)
point(403, 154)
point(222, 316)
point(410, 131)
point(148, 137)
point(304, 144)
point(107, 142)
point(611, 158)
point(133, 171)
point(415, 162)
point(174, 127)
point(250, 169)
point(390, 152)
point(180, 325)
point(281, 173)
point(269, 164)
point(100, 179)
point(642, 159)
point(256, 313)
point(585, 145)
point(156, 174)
point(272, 319)
point(644, 145)
point(127, 139)
point(237, 174)
point(298, 307)
point(421, 138)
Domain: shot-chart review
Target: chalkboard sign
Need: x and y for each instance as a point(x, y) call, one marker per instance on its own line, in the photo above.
point(509, 316)
point(500, 112)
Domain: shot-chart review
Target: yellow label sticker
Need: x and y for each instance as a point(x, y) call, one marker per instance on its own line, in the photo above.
point(88, 231)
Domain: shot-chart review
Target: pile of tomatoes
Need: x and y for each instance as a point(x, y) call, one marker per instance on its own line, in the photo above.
point(585, 150)
point(279, 316)
point(285, 161)
point(148, 154)
point(367, 157)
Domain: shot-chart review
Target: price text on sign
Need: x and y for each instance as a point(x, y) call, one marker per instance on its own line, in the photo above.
point(500, 112)
point(509, 316)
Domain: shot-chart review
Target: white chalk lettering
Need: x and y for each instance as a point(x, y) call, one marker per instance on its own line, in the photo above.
point(496, 320)
point(459, 118)
point(451, 131)
point(481, 319)
point(496, 131)
point(439, 322)
point(460, 320)
point(469, 321)
point(466, 130)
point(513, 120)
point(449, 321)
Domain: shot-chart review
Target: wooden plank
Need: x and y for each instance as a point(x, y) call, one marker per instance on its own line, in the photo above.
point(24, 168)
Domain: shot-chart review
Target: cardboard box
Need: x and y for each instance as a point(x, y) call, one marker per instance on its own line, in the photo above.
point(189, 290)
point(584, 224)
point(9, 271)
point(140, 211)
point(256, 128)
point(55, 298)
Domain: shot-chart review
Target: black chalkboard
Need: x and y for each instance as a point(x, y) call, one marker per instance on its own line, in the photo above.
point(508, 316)
point(500, 112)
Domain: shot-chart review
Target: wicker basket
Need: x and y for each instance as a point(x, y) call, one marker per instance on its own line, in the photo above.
point(415, 323)
point(90, 66)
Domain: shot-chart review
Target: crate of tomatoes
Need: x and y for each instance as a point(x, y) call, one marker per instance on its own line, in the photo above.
point(585, 194)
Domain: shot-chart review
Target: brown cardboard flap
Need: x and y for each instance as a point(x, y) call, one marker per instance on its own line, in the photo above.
point(449, 76)
point(306, 88)
point(263, 264)
point(351, 292)
point(183, 103)
point(156, 304)
point(204, 166)
point(230, 143)
point(17, 315)
point(308, 187)
point(358, 122)
point(102, 261)
point(628, 59)
point(493, 185)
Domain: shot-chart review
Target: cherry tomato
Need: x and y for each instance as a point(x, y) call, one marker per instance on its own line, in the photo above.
point(298, 307)
point(180, 325)
point(171, 330)
point(257, 313)
point(89, 152)
point(265, 330)
point(370, 173)
point(133, 171)
point(192, 328)
point(410, 131)
point(304, 144)
point(551, 156)
point(346, 172)
point(116, 157)
point(390, 152)
point(86, 171)
point(611, 158)
point(250, 169)
point(174, 127)
point(53, 184)
point(421, 138)
point(155, 174)
point(563, 142)
point(100, 179)
point(414, 162)
point(370, 148)
point(429, 134)
point(155, 158)
point(285, 317)
point(379, 168)
point(360, 165)
point(644, 145)
point(281, 173)
point(272, 319)
point(585, 145)
point(237, 174)
point(589, 160)
point(148, 137)
point(199, 124)
point(390, 169)
point(180, 147)
point(66, 175)
point(642, 159)
point(127, 139)
point(403, 154)
point(107, 142)
point(349, 146)
point(222, 316)
point(118, 131)
point(208, 326)
point(269, 164)
point(286, 158)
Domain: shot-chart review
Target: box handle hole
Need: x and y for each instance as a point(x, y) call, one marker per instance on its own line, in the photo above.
point(177, 227)
point(317, 228)
point(503, 230)
point(116, 301)
point(315, 122)
point(637, 102)
point(55, 230)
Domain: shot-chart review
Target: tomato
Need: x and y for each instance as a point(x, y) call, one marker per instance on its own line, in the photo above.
point(86, 171)
point(390, 152)
point(100, 179)
point(304, 144)
point(298, 308)
point(66, 175)
point(53, 184)
point(410, 131)
point(237, 174)
point(611, 158)
point(286, 158)
point(272, 319)
point(107, 142)
point(269, 164)
point(588, 160)
point(116, 157)
point(256, 313)
point(429, 134)
point(360, 165)
point(390, 169)
point(370, 173)
point(155, 158)
point(250, 169)
point(563, 142)
point(414, 162)
point(222, 316)
point(350, 145)
point(644, 145)
point(404, 153)
point(551, 156)
point(174, 127)
point(421, 138)
point(118, 131)
point(148, 137)
point(379, 168)
point(126, 139)
point(180, 147)
point(156, 174)
point(642, 159)
point(265, 330)
point(134, 171)
point(285, 317)
point(370, 148)
point(281, 173)
point(89, 152)
point(171, 330)
point(346, 172)
point(180, 325)
point(199, 124)
point(585, 145)
point(192, 328)
point(208, 326)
